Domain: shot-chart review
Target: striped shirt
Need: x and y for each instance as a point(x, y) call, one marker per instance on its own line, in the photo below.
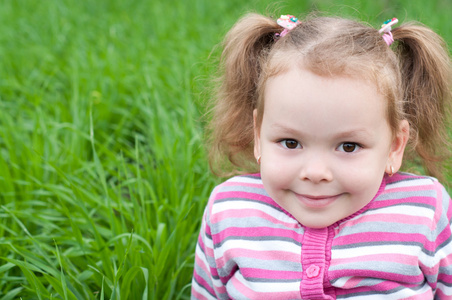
point(398, 246)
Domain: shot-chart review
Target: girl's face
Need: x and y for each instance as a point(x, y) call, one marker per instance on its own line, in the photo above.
point(325, 145)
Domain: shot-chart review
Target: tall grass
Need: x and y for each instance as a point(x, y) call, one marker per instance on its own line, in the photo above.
point(103, 174)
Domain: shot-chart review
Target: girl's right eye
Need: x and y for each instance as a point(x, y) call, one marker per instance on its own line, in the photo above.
point(290, 144)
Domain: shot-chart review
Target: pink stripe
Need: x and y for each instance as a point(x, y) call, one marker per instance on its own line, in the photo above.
point(372, 237)
point(399, 177)
point(269, 274)
point(251, 294)
point(246, 196)
point(441, 295)
point(439, 206)
point(202, 264)
point(425, 187)
point(202, 282)
point(208, 251)
point(427, 270)
point(256, 232)
point(383, 286)
point(352, 282)
point(447, 279)
point(242, 184)
point(201, 242)
point(392, 202)
point(221, 289)
point(197, 295)
point(441, 238)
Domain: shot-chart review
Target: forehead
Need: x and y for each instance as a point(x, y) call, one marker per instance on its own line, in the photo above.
point(300, 96)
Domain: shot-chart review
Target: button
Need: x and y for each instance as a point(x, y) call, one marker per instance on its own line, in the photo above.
point(313, 271)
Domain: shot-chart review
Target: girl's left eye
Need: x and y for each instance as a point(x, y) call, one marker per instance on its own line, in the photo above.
point(349, 147)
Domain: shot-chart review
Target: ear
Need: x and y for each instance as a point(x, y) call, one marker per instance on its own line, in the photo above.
point(398, 147)
point(257, 144)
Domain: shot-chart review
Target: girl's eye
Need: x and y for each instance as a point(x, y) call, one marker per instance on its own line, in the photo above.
point(349, 147)
point(290, 144)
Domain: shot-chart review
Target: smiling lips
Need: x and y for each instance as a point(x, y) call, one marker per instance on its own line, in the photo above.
point(317, 201)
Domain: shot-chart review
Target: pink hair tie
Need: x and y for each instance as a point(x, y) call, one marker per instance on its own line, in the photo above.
point(386, 30)
point(288, 22)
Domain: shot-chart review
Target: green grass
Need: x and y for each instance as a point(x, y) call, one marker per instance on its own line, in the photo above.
point(103, 174)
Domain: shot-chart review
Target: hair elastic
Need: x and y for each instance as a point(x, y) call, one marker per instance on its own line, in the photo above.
point(288, 22)
point(386, 30)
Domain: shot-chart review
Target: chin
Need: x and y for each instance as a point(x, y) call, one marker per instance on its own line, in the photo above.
point(316, 223)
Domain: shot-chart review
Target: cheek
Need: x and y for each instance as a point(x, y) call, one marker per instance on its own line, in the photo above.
point(361, 185)
point(276, 175)
point(362, 180)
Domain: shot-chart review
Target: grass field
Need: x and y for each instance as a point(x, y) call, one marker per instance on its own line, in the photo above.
point(103, 174)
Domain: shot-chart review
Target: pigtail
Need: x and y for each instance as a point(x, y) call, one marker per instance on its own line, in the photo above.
point(231, 127)
point(426, 77)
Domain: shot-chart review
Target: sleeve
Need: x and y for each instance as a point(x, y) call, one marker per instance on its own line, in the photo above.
point(439, 275)
point(206, 283)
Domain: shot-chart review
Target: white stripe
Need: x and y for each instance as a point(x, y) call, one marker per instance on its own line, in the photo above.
point(374, 250)
point(409, 210)
point(259, 246)
point(243, 179)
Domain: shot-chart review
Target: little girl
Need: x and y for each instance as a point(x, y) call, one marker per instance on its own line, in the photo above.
point(325, 108)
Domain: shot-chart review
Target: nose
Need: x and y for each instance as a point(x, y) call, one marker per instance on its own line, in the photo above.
point(316, 169)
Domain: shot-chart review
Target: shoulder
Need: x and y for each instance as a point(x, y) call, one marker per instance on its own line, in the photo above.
point(240, 189)
point(414, 196)
point(406, 185)
point(249, 183)
point(415, 207)
point(409, 179)
point(243, 199)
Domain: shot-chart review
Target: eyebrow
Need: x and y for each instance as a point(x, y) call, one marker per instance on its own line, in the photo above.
point(285, 129)
point(354, 133)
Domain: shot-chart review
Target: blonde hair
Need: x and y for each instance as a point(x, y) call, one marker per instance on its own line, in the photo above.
point(414, 75)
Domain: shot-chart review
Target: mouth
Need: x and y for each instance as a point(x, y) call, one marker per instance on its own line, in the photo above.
point(317, 201)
